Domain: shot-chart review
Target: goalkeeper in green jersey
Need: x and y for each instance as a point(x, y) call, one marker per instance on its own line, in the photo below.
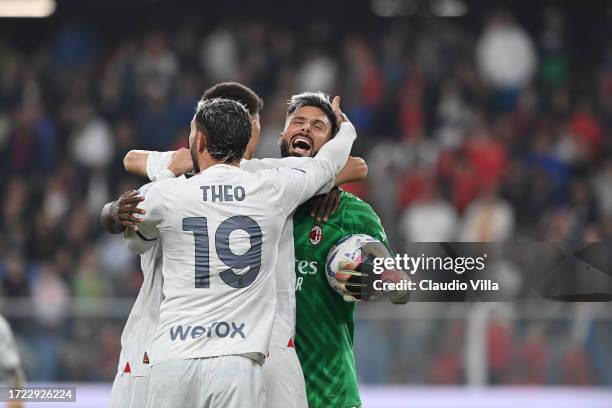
point(325, 319)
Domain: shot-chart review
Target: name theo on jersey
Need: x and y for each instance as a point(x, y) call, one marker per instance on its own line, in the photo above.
point(225, 193)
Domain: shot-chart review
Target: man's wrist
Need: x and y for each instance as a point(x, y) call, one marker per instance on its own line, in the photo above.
point(109, 218)
point(168, 173)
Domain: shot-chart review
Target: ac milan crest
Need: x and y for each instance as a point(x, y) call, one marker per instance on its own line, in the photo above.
point(316, 234)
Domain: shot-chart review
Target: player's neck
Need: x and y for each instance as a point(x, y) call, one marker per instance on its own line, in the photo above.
point(206, 161)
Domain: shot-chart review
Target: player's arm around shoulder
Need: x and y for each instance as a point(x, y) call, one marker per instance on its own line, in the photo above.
point(155, 204)
point(326, 200)
point(135, 162)
point(254, 165)
point(120, 214)
point(158, 165)
point(355, 168)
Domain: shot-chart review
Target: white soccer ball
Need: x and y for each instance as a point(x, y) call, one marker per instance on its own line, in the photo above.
point(346, 249)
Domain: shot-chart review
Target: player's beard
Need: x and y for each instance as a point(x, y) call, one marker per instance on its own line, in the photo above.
point(194, 159)
point(284, 150)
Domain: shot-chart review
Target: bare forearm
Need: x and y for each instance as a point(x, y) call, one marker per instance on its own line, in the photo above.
point(355, 169)
point(135, 162)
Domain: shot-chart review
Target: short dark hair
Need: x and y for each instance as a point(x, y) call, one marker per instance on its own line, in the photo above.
point(236, 92)
point(318, 100)
point(227, 126)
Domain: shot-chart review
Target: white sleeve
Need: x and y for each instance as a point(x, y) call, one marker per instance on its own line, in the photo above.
point(157, 165)
point(137, 242)
point(298, 184)
point(9, 355)
point(142, 240)
point(253, 165)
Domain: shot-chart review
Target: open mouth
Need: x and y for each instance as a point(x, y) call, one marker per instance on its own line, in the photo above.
point(301, 145)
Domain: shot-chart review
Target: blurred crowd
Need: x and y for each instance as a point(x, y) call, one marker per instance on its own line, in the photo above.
point(470, 134)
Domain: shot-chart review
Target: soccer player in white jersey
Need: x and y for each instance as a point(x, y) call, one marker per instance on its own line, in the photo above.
point(10, 363)
point(220, 231)
point(131, 381)
point(282, 371)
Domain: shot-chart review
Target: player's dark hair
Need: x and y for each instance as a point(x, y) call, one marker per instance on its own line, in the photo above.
point(227, 126)
point(318, 100)
point(236, 92)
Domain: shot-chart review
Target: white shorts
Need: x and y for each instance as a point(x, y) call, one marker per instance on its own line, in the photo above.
point(285, 387)
point(129, 391)
point(225, 381)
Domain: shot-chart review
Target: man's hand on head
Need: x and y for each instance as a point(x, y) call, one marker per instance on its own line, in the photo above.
point(340, 117)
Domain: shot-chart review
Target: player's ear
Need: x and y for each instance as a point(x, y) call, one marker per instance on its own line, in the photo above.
point(200, 141)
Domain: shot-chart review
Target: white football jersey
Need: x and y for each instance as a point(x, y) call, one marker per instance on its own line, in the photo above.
point(220, 231)
point(9, 355)
point(142, 322)
point(283, 327)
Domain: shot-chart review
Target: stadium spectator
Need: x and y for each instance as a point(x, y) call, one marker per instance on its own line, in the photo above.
point(506, 57)
point(488, 219)
point(429, 218)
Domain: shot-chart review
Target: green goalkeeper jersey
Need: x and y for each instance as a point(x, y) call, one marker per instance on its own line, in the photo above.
point(324, 327)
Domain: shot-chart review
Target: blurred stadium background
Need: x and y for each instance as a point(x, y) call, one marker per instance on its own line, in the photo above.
point(479, 120)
